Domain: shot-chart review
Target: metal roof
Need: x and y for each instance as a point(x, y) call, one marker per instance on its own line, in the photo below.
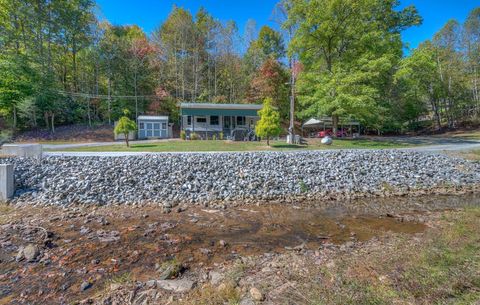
point(220, 106)
point(152, 117)
point(328, 121)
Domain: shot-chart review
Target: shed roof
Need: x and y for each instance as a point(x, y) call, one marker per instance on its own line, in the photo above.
point(152, 117)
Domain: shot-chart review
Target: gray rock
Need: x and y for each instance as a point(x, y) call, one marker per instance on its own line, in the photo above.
point(327, 141)
point(246, 301)
point(85, 285)
point(215, 277)
point(30, 253)
point(224, 179)
point(178, 286)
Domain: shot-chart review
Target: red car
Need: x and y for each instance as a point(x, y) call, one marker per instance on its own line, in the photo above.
point(340, 133)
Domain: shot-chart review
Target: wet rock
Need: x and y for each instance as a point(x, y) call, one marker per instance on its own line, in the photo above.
point(178, 286)
point(85, 285)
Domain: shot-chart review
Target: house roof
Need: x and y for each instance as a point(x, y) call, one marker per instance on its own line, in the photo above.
point(220, 106)
point(152, 117)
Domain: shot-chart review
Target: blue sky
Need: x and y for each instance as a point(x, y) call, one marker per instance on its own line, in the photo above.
point(149, 14)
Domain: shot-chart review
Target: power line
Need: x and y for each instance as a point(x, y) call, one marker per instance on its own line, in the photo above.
point(102, 96)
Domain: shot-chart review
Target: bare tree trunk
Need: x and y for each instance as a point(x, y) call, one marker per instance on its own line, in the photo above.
point(335, 120)
point(14, 118)
point(136, 98)
point(53, 122)
point(109, 100)
point(88, 113)
point(126, 139)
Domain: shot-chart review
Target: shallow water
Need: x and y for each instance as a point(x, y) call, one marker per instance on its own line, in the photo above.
point(148, 237)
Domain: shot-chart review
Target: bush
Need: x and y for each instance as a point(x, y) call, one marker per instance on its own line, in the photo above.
point(194, 136)
point(5, 136)
point(214, 137)
point(183, 135)
point(220, 136)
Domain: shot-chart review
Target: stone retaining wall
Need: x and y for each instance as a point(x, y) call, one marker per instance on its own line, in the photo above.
point(170, 179)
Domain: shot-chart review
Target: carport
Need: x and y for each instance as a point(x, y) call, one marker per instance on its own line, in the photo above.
point(312, 126)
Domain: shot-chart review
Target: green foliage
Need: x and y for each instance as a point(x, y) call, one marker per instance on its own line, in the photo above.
point(194, 136)
point(221, 136)
point(183, 135)
point(303, 186)
point(269, 124)
point(125, 126)
point(349, 49)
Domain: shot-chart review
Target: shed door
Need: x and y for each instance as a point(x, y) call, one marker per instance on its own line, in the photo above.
point(149, 130)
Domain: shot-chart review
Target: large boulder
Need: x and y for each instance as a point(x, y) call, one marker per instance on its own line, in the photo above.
point(327, 141)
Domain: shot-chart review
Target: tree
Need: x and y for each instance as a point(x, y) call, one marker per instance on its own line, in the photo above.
point(417, 84)
point(125, 126)
point(270, 82)
point(269, 123)
point(349, 49)
point(16, 78)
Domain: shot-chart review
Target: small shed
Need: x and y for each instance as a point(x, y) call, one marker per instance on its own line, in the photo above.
point(153, 127)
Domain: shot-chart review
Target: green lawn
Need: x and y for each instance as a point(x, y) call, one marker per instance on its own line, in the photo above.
point(210, 145)
point(468, 135)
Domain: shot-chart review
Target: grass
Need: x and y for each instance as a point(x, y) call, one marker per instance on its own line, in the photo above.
point(442, 269)
point(468, 135)
point(473, 155)
point(5, 210)
point(211, 145)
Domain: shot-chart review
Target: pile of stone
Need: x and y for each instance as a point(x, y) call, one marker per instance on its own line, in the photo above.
point(231, 178)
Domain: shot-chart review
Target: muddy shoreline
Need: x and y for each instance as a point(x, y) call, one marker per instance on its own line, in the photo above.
point(100, 245)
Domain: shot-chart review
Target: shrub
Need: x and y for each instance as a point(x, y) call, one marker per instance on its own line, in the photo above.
point(214, 137)
point(220, 136)
point(183, 135)
point(5, 136)
point(194, 136)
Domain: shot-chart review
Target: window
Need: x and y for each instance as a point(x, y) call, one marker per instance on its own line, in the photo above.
point(240, 120)
point(214, 120)
point(189, 120)
point(202, 120)
point(156, 126)
point(142, 125)
point(164, 126)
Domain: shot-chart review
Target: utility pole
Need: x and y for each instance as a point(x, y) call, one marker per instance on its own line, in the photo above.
point(291, 128)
